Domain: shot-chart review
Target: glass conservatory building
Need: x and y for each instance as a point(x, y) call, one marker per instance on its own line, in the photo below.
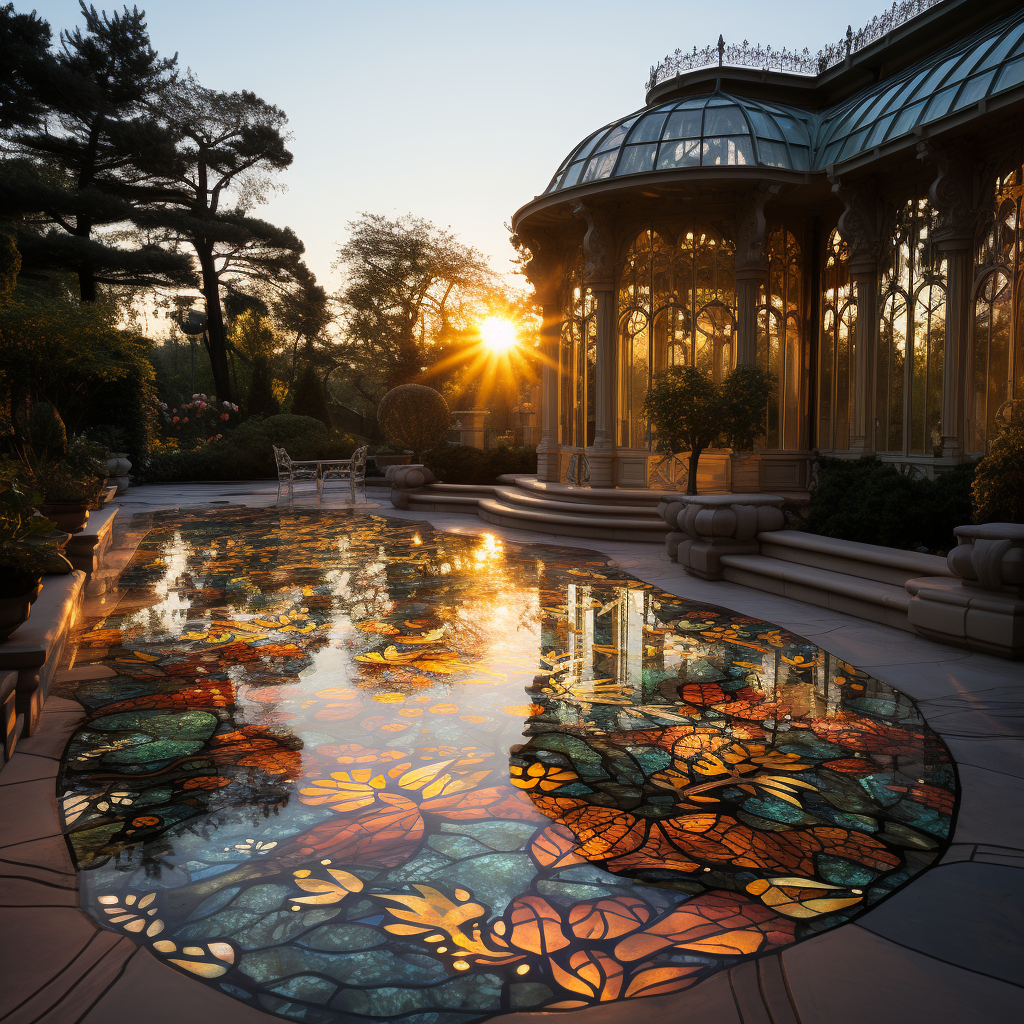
point(852, 226)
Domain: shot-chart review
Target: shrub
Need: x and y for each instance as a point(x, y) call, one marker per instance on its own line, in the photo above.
point(461, 464)
point(245, 453)
point(872, 502)
point(998, 490)
point(198, 420)
point(48, 433)
point(78, 358)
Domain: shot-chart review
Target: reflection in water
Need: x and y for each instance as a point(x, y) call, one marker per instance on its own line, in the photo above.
point(306, 777)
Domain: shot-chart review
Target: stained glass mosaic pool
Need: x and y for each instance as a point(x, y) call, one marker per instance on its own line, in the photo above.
point(347, 768)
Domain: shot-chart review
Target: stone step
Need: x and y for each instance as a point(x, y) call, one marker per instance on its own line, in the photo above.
point(867, 561)
point(532, 500)
point(85, 550)
point(842, 592)
point(576, 524)
point(587, 495)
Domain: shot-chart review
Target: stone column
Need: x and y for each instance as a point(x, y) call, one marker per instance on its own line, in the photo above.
point(601, 454)
point(751, 270)
point(550, 339)
point(864, 278)
point(599, 275)
point(955, 376)
point(860, 225)
point(954, 195)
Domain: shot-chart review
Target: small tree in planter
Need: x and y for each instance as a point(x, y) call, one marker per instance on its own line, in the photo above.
point(690, 412)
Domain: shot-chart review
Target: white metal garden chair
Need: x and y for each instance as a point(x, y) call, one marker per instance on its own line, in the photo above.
point(353, 470)
point(288, 471)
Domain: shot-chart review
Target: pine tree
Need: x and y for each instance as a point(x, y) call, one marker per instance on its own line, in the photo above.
point(87, 153)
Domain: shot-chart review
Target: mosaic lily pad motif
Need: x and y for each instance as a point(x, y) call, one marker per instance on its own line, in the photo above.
point(346, 768)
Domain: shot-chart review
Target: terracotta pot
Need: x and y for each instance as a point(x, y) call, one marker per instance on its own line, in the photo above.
point(13, 612)
point(69, 516)
point(392, 460)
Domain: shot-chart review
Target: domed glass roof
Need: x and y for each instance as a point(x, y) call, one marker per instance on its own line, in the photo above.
point(700, 131)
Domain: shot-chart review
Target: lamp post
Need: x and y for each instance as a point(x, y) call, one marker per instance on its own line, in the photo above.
point(192, 323)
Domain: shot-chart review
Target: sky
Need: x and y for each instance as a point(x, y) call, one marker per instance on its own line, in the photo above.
point(457, 112)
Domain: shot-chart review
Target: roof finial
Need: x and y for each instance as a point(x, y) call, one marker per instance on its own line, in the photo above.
point(721, 50)
point(849, 39)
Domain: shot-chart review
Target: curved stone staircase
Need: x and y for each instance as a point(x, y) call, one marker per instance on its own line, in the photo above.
point(526, 503)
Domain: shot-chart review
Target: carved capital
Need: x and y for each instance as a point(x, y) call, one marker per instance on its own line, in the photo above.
point(541, 259)
point(750, 227)
point(598, 261)
point(953, 193)
point(860, 223)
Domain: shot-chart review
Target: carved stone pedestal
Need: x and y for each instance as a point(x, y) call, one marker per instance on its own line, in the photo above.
point(404, 479)
point(711, 525)
point(983, 610)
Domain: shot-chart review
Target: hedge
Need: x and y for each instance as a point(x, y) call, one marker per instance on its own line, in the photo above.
point(461, 464)
point(245, 453)
point(874, 502)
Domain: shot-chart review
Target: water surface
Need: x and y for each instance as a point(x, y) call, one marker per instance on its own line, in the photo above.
point(347, 768)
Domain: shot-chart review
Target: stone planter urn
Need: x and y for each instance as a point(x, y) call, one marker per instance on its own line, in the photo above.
point(67, 516)
point(983, 609)
point(707, 526)
point(118, 468)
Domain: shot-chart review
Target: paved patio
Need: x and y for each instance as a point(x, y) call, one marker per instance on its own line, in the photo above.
point(948, 948)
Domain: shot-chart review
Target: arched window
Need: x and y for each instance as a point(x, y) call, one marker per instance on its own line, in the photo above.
point(836, 351)
point(677, 307)
point(779, 337)
point(996, 332)
point(912, 336)
point(577, 359)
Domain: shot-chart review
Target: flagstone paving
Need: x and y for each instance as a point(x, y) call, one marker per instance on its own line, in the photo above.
point(944, 948)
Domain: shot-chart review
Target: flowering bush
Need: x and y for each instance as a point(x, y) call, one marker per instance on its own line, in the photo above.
point(199, 420)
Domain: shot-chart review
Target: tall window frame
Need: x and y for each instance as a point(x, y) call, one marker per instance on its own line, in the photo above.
point(676, 307)
point(577, 359)
point(911, 336)
point(837, 346)
point(996, 358)
point(780, 336)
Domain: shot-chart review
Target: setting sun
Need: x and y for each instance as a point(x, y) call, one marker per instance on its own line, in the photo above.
point(498, 335)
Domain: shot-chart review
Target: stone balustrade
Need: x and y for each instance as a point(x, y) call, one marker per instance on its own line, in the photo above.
point(983, 608)
point(707, 526)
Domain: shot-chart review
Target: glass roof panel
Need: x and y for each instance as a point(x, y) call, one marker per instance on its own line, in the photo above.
point(974, 90)
point(1011, 75)
point(648, 129)
point(731, 152)
point(684, 153)
point(637, 159)
point(722, 120)
point(683, 124)
point(766, 127)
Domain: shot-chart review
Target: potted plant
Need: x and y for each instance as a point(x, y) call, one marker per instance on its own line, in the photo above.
point(22, 526)
point(690, 412)
point(20, 582)
point(387, 456)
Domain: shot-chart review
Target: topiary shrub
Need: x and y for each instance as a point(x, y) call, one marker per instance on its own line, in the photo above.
point(461, 464)
point(260, 401)
point(415, 417)
point(309, 398)
point(998, 491)
point(46, 428)
point(245, 453)
point(873, 502)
